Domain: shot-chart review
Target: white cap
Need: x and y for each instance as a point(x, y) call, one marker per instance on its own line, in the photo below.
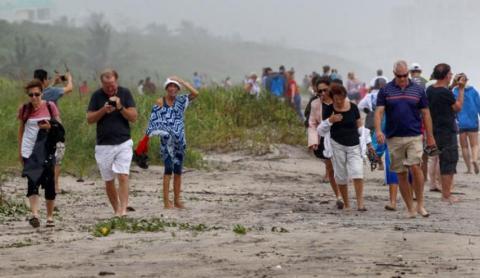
point(171, 81)
point(415, 67)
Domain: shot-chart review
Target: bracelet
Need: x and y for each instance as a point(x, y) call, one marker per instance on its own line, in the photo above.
point(120, 109)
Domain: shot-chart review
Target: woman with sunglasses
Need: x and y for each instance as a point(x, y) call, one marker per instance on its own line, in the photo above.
point(316, 143)
point(35, 117)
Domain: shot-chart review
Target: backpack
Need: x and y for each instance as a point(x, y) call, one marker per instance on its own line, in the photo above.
point(277, 85)
point(58, 131)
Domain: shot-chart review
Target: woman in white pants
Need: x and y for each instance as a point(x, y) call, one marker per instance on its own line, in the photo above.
point(342, 119)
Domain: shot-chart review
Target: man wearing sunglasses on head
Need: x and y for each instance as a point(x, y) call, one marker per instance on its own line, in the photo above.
point(405, 104)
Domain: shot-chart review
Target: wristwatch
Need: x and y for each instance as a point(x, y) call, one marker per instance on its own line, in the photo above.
point(120, 109)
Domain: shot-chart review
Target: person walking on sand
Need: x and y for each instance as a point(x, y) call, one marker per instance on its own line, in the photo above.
point(468, 124)
point(316, 143)
point(342, 120)
point(443, 107)
point(112, 108)
point(167, 120)
point(38, 122)
point(403, 102)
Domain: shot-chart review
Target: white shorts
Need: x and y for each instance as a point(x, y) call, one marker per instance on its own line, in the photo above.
point(114, 159)
point(347, 162)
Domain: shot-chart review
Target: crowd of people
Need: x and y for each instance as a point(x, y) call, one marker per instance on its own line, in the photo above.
point(409, 123)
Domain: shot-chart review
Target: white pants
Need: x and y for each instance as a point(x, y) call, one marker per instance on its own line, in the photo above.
point(347, 162)
point(114, 159)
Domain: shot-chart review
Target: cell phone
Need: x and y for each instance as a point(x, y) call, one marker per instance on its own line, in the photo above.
point(42, 122)
point(112, 103)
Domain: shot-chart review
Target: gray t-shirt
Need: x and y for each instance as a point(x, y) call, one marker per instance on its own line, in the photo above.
point(53, 94)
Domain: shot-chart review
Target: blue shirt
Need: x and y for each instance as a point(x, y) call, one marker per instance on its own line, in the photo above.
point(402, 109)
point(197, 82)
point(53, 94)
point(468, 116)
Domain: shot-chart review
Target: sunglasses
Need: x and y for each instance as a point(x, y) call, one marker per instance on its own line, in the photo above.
point(401, 75)
point(34, 94)
point(322, 90)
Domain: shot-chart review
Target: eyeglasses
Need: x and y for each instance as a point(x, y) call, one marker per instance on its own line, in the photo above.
point(401, 75)
point(34, 94)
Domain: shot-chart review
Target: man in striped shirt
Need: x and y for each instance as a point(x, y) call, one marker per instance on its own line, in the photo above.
point(405, 105)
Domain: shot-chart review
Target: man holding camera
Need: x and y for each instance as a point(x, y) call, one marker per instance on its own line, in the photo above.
point(112, 108)
point(53, 93)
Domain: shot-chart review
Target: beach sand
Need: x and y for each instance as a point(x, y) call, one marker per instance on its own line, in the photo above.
point(282, 189)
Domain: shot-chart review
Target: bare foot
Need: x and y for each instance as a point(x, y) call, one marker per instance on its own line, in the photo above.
point(475, 167)
point(168, 205)
point(423, 212)
point(451, 200)
point(411, 214)
point(179, 205)
point(467, 172)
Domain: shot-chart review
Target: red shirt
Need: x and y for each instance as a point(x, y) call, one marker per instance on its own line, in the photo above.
point(292, 89)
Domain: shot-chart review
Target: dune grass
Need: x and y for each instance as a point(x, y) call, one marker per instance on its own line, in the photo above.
point(218, 120)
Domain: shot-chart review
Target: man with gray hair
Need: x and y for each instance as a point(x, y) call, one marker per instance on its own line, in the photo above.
point(405, 104)
point(112, 108)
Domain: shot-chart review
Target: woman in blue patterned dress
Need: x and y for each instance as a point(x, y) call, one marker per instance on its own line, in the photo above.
point(167, 121)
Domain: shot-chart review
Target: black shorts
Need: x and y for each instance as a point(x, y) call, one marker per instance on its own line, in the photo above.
point(46, 181)
point(462, 130)
point(447, 144)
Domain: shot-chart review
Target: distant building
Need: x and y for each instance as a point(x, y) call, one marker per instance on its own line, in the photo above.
point(27, 10)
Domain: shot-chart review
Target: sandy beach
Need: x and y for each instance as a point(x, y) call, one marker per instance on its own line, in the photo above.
point(294, 229)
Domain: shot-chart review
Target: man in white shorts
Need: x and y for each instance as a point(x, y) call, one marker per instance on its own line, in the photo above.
point(112, 108)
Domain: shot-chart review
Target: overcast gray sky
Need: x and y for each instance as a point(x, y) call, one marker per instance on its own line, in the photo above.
point(371, 32)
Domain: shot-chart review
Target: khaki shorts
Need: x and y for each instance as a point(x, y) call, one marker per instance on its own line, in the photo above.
point(404, 151)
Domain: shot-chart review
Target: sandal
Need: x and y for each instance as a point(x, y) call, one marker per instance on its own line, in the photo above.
point(362, 209)
point(34, 222)
point(340, 204)
point(390, 208)
point(50, 224)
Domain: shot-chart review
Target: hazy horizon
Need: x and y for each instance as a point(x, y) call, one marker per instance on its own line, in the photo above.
point(373, 33)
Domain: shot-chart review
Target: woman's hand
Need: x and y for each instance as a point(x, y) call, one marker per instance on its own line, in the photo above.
point(335, 118)
point(44, 125)
point(313, 147)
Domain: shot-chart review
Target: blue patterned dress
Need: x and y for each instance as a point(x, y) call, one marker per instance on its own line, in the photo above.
point(168, 123)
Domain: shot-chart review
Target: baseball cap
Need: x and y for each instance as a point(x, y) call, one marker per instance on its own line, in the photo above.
point(415, 67)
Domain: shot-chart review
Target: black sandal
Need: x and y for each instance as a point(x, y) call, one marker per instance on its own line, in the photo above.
point(34, 222)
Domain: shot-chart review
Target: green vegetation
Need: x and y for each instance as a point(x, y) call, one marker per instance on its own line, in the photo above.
point(239, 229)
point(12, 209)
point(130, 225)
point(217, 120)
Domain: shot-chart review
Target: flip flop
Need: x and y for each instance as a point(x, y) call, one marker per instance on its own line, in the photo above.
point(435, 190)
point(390, 208)
point(34, 222)
point(50, 224)
point(362, 209)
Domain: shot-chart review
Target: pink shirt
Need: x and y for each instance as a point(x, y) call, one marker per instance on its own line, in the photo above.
point(314, 121)
point(31, 125)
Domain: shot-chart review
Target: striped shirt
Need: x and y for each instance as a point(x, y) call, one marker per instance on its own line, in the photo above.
point(402, 109)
